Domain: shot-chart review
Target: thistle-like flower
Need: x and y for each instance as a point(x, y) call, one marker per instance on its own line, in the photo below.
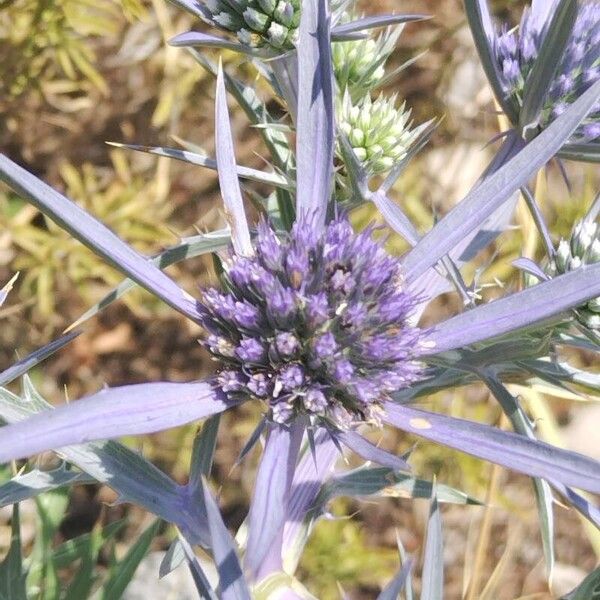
point(314, 324)
point(582, 248)
point(379, 131)
point(317, 325)
point(517, 50)
point(259, 23)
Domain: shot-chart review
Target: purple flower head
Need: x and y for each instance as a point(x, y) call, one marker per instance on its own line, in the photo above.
point(516, 52)
point(327, 294)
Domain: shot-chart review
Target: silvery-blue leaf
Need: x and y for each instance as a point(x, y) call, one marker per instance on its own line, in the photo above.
point(528, 266)
point(203, 452)
point(315, 122)
point(96, 236)
point(22, 366)
point(373, 22)
point(590, 511)
point(200, 39)
point(364, 448)
point(133, 478)
point(111, 413)
point(188, 248)
point(582, 152)
point(272, 491)
point(395, 217)
point(7, 288)
point(562, 372)
point(508, 449)
point(203, 584)
point(388, 483)
point(227, 171)
point(252, 440)
point(35, 482)
point(539, 221)
point(195, 7)
point(311, 472)
point(284, 80)
point(255, 110)
point(211, 163)
point(396, 585)
point(432, 283)
point(173, 558)
point(543, 494)
point(433, 563)
point(532, 305)
point(231, 579)
point(541, 12)
point(497, 188)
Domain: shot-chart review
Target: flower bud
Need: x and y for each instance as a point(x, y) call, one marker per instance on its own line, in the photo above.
point(379, 131)
point(582, 248)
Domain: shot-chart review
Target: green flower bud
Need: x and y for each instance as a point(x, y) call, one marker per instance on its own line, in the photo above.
point(582, 248)
point(379, 131)
point(259, 23)
point(359, 64)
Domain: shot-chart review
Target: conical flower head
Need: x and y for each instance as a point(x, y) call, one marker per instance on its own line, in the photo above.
point(517, 50)
point(583, 248)
point(258, 23)
point(314, 324)
point(378, 131)
point(359, 65)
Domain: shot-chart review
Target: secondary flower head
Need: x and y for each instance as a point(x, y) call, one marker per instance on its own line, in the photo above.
point(258, 23)
point(583, 248)
point(517, 50)
point(359, 65)
point(314, 324)
point(379, 131)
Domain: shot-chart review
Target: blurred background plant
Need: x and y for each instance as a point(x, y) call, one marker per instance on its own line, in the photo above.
point(75, 74)
point(47, 44)
point(54, 265)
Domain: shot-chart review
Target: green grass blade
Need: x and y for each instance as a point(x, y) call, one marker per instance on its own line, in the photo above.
point(122, 573)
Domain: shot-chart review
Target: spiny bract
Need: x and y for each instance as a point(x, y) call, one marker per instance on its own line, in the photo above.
point(314, 324)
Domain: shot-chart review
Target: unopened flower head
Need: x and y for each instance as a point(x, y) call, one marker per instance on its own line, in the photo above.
point(359, 65)
point(516, 51)
point(583, 248)
point(258, 23)
point(379, 131)
point(314, 324)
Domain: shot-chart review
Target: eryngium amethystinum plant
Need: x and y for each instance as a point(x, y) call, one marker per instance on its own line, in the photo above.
point(543, 65)
point(320, 325)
